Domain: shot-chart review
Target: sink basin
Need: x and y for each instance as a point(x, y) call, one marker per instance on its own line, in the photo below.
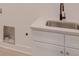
point(68, 25)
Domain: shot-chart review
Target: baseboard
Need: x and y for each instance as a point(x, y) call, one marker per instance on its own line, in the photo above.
point(17, 47)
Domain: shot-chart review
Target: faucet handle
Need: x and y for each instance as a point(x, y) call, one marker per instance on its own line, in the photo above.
point(63, 15)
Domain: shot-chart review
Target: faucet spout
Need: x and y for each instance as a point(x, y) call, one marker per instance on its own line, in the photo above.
point(62, 13)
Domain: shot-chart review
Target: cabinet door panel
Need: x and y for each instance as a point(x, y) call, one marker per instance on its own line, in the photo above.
point(53, 38)
point(72, 41)
point(42, 49)
point(71, 52)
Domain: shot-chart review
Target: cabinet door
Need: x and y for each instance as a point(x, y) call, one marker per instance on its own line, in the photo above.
point(71, 52)
point(72, 41)
point(48, 37)
point(42, 49)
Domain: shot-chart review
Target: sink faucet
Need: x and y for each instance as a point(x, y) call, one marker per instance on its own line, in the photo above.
point(62, 13)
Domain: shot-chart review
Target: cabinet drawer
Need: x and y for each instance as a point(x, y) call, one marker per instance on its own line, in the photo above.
point(42, 49)
point(72, 41)
point(53, 38)
point(71, 52)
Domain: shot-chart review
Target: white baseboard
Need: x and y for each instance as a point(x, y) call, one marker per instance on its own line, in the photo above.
point(17, 47)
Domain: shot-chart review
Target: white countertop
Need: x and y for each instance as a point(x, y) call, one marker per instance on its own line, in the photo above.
point(40, 24)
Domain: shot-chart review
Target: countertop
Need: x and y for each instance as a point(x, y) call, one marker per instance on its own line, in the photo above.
point(40, 24)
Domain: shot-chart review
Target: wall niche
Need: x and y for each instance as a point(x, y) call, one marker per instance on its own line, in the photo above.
point(9, 34)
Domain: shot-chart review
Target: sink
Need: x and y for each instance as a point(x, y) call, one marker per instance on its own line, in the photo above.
point(68, 25)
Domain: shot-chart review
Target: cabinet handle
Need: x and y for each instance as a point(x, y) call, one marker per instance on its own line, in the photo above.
point(67, 53)
point(61, 52)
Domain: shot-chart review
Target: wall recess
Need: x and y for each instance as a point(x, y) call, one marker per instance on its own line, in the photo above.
point(9, 34)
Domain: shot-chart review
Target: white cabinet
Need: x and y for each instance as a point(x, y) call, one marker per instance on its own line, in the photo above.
point(47, 43)
point(48, 37)
point(72, 41)
point(54, 44)
point(71, 52)
point(43, 49)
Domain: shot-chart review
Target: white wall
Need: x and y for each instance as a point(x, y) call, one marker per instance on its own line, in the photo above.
point(22, 16)
point(72, 11)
